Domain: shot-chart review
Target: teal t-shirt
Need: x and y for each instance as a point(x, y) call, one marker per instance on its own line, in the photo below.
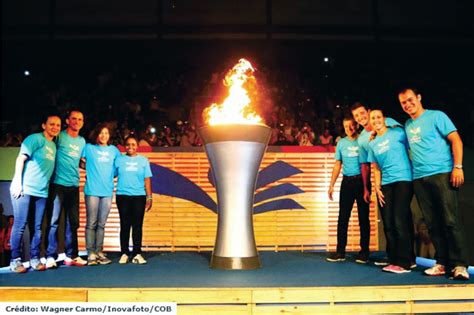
point(347, 151)
point(430, 149)
point(39, 166)
point(100, 169)
point(131, 173)
point(390, 152)
point(365, 136)
point(67, 160)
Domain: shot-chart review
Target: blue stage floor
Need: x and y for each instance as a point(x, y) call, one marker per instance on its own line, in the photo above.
point(185, 269)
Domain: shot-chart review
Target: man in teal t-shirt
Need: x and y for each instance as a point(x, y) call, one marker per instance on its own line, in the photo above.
point(436, 152)
point(64, 192)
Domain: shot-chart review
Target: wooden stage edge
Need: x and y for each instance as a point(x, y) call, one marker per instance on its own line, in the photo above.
point(289, 300)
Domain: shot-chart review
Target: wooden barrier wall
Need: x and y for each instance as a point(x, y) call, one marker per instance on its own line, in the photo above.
point(175, 224)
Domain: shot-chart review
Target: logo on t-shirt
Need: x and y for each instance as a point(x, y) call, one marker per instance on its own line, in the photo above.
point(131, 167)
point(383, 146)
point(50, 153)
point(353, 151)
point(74, 152)
point(103, 156)
point(415, 138)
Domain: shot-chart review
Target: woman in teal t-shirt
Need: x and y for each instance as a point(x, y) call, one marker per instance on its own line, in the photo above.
point(98, 191)
point(133, 199)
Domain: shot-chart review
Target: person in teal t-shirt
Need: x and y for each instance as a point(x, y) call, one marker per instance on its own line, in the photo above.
point(99, 164)
point(29, 191)
point(388, 153)
point(64, 193)
point(352, 188)
point(133, 197)
point(437, 151)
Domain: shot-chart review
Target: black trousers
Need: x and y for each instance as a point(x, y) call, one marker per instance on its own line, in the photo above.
point(438, 201)
point(131, 211)
point(352, 189)
point(398, 222)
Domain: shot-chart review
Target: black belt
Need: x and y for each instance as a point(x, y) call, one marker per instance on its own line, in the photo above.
point(352, 177)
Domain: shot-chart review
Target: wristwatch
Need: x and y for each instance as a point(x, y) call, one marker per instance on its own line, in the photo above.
point(458, 166)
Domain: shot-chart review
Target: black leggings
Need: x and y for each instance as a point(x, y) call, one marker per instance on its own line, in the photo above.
point(132, 211)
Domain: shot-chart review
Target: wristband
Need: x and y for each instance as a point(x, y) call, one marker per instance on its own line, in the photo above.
point(149, 197)
point(458, 166)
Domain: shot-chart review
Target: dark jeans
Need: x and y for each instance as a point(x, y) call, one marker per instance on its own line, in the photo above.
point(438, 201)
point(352, 189)
point(62, 198)
point(27, 210)
point(132, 211)
point(398, 222)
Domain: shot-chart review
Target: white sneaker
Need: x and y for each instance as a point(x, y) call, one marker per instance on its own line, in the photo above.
point(51, 263)
point(123, 259)
point(138, 259)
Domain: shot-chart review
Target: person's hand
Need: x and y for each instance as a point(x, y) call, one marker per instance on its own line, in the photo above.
point(366, 195)
point(380, 197)
point(149, 203)
point(330, 191)
point(16, 188)
point(457, 177)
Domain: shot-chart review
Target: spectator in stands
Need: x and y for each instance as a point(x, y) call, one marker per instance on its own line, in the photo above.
point(133, 198)
point(305, 135)
point(352, 188)
point(388, 153)
point(437, 152)
point(99, 161)
point(29, 191)
point(325, 139)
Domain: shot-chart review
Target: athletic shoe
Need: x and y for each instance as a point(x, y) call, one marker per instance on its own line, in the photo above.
point(16, 266)
point(460, 273)
point(78, 261)
point(36, 264)
point(92, 259)
point(102, 259)
point(51, 263)
point(381, 262)
point(123, 259)
point(436, 270)
point(336, 257)
point(362, 258)
point(138, 259)
point(413, 265)
point(395, 269)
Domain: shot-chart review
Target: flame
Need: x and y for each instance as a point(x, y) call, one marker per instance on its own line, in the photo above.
point(235, 109)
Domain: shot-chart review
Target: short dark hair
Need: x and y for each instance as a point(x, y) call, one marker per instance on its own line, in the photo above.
point(77, 110)
point(97, 131)
point(131, 137)
point(357, 105)
point(405, 89)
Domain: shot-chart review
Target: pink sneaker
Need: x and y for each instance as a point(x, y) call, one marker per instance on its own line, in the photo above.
point(395, 269)
point(436, 270)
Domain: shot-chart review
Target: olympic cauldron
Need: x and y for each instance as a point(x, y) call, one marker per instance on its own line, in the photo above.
point(235, 152)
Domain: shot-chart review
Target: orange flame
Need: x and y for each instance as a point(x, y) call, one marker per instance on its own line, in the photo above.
point(235, 109)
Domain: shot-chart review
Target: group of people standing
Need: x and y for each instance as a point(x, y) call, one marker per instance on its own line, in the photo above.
point(46, 182)
point(423, 159)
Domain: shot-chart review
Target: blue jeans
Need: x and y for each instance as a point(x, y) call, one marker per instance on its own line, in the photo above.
point(67, 198)
point(97, 209)
point(27, 208)
point(438, 201)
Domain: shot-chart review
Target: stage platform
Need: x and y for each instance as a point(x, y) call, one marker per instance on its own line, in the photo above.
point(289, 282)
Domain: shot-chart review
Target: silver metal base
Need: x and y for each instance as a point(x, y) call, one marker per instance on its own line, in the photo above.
point(235, 263)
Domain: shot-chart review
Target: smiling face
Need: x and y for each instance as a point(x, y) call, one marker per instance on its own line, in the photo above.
point(75, 121)
point(411, 103)
point(350, 127)
point(103, 137)
point(131, 146)
point(377, 120)
point(361, 116)
point(51, 127)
